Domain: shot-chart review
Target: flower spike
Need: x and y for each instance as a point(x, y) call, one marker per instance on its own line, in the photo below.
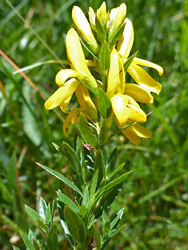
point(109, 37)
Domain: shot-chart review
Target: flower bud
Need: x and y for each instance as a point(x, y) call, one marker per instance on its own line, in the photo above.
point(125, 43)
point(118, 16)
point(82, 26)
point(101, 13)
point(77, 60)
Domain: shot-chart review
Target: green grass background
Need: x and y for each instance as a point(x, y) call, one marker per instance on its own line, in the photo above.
point(155, 196)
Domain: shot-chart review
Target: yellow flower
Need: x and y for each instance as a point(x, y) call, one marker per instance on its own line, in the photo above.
point(101, 13)
point(79, 70)
point(140, 76)
point(116, 24)
point(135, 132)
point(125, 43)
point(62, 96)
point(77, 60)
point(82, 26)
point(117, 17)
point(87, 108)
point(123, 99)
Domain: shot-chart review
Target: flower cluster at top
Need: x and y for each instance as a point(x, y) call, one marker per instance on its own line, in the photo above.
point(108, 36)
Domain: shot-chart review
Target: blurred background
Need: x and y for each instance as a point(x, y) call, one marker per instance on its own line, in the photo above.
point(155, 196)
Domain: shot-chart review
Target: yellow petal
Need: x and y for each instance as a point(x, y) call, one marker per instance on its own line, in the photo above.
point(118, 106)
point(144, 79)
point(130, 101)
point(91, 16)
point(91, 63)
point(138, 93)
point(63, 105)
point(148, 64)
point(72, 114)
point(113, 13)
point(77, 59)
point(125, 108)
point(113, 76)
point(75, 53)
point(135, 114)
point(133, 133)
point(116, 22)
point(101, 13)
point(141, 131)
point(62, 94)
point(118, 16)
point(85, 101)
point(64, 74)
point(82, 26)
point(121, 86)
point(125, 43)
point(131, 136)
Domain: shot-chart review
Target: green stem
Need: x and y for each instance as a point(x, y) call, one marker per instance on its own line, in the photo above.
point(104, 80)
point(104, 129)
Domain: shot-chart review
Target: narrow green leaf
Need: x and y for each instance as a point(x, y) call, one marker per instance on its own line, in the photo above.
point(116, 171)
point(61, 178)
point(112, 161)
point(86, 197)
point(82, 210)
point(75, 225)
point(91, 52)
point(43, 226)
point(101, 32)
point(27, 242)
point(109, 198)
point(111, 185)
point(11, 173)
point(36, 219)
point(72, 157)
point(5, 193)
point(104, 56)
point(54, 204)
point(116, 220)
point(67, 201)
point(34, 216)
point(94, 182)
point(93, 233)
point(52, 239)
point(32, 66)
point(4, 159)
point(31, 235)
point(15, 248)
point(129, 61)
point(32, 238)
point(105, 219)
point(86, 132)
point(60, 207)
point(116, 182)
point(58, 148)
point(30, 126)
point(36, 245)
point(104, 104)
point(111, 234)
point(115, 36)
point(48, 214)
point(116, 231)
point(101, 164)
point(42, 208)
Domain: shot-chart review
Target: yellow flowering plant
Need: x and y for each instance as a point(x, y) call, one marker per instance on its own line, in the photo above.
point(105, 99)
